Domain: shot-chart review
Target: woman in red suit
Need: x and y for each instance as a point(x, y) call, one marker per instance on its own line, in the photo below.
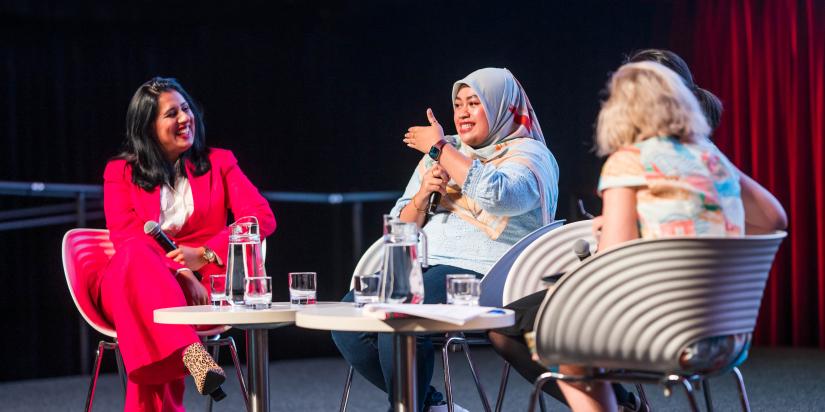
point(166, 173)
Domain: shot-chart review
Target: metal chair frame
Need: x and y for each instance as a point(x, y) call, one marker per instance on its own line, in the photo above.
point(640, 377)
point(212, 340)
point(102, 346)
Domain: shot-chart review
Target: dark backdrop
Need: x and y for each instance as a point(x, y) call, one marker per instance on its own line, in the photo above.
point(314, 96)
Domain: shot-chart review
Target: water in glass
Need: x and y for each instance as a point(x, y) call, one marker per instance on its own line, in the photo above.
point(302, 288)
point(258, 291)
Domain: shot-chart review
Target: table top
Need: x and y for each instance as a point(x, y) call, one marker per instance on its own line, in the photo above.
point(280, 312)
point(349, 318)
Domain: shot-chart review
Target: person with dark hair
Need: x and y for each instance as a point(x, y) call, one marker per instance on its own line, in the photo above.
point(710, 104)
point(765, 211)
point(166, 173)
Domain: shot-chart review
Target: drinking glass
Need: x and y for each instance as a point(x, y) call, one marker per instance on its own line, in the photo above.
point(466, 291)
point(366, 288)
point(217, 285)
point(302, 288)
point(258, 291)
point(449, 286)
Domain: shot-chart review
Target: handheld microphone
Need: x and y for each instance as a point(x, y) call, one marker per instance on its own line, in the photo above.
point(152, 229)
point(582, 249)
point(435, 199)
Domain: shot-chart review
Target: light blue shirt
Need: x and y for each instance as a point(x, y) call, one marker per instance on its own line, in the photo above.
point(510, 189)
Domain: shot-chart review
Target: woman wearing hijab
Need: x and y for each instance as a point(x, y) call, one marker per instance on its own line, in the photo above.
point(498, 182)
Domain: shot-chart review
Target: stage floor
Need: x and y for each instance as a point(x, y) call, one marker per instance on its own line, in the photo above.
point(776, 378)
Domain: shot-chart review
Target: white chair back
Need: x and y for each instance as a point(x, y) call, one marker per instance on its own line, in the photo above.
point(549, 254)
point(370, 261)
point(85, 253)
point(492, 284)
point(638, 306)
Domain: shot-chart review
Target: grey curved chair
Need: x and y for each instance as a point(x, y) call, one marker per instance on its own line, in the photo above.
point(494, 283)
point(552, 253)
point(668, 311)
point(547, 253)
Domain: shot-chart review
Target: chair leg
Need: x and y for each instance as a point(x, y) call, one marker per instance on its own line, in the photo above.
point(121, 370)
point(540, 381)
point(642, 395)
point(215, 344)
point(542, 405)
point(502, 387)
point(473, 370)
point(743, 394)
point(694, 406)
point(708, 399)
point(445, 357)
point(216, 353)
point(345, 396)
point(96, 371)
point(233, 350)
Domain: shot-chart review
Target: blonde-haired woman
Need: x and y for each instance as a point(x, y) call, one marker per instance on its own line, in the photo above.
point(662, 178)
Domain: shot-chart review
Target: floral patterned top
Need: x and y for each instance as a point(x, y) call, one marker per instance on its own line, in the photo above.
point(683, 188)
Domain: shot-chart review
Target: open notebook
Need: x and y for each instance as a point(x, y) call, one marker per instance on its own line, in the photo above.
point(454, 314)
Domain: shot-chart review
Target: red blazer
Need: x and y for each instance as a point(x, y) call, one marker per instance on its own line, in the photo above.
point(222, 188)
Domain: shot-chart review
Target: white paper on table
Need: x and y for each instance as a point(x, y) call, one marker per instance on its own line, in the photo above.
point(455, 314)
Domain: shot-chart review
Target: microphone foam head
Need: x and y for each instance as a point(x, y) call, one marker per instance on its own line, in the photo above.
point(151, 227)
point(581, 247)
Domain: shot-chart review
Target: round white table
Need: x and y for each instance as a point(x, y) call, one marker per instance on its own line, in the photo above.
point(256, 323)
point(351, 319)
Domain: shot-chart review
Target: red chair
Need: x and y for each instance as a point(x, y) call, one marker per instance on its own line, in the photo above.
point(86, 252)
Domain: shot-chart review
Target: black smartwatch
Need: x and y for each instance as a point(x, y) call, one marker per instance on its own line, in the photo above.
point(435, 150)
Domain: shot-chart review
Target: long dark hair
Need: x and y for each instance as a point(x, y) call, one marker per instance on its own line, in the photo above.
point(711, 105)
point(141, 148)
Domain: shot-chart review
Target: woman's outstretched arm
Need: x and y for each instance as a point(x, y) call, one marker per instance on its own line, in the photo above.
point(763, 212)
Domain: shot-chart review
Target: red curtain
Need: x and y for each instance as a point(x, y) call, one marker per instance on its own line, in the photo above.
point(764, 59)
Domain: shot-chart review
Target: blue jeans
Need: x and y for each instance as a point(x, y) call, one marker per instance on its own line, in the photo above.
point(371, 353)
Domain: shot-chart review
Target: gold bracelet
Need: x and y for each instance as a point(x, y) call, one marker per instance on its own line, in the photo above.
point(416, 206)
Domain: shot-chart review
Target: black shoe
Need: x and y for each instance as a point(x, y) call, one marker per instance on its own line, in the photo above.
point(218, 394)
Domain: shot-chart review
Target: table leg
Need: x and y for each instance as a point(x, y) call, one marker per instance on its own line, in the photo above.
point(404, 382)
point(257, 369)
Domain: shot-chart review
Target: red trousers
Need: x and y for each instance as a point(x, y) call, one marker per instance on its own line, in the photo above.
point(134, 284)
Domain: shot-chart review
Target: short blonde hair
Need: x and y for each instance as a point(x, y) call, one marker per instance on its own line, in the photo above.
point(647, 100)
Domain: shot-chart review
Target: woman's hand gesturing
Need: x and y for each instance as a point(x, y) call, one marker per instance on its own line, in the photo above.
point(422, 138)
